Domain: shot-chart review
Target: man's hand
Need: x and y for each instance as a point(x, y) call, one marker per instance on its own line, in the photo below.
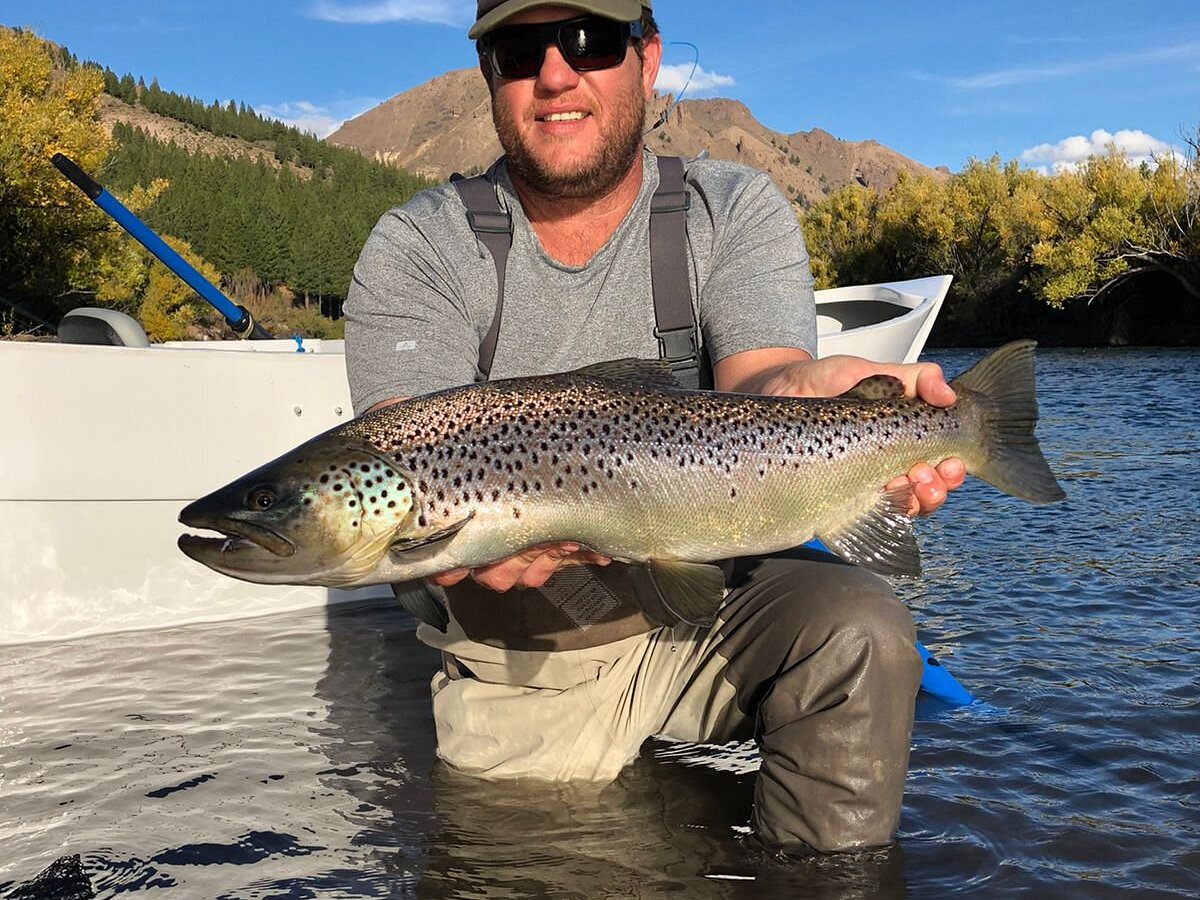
point(791, 373)
point(531, 568)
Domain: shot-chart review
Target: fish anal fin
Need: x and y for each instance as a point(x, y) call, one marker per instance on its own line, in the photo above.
point(877, 387)
point(687, 592)
point(425, 601)
point(882, 540)
point(404, 544)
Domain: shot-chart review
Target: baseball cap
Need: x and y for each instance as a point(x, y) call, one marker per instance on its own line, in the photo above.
point(490, 13)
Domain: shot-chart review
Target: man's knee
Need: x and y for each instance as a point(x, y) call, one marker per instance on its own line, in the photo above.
point(850, 620)
point(833, 597)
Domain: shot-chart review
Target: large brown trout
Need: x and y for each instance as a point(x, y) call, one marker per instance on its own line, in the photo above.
point(620, 459)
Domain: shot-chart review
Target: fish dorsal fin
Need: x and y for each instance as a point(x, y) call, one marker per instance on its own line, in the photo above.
point(882, 540)
point(655, 372)
point(425, 601)
point(402, 545)
point(877, 387)
point(684, 591)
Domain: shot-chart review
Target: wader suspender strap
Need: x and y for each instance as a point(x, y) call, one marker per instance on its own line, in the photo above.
point(493, 226)
point(675, 325)
point(678, 341)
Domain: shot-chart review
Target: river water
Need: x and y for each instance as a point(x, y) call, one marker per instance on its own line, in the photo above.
point(293, 756)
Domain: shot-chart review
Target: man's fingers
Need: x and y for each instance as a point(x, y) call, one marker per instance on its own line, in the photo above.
point(446, 579)
point(931, 385)
point(531, 568)
point(953, 472)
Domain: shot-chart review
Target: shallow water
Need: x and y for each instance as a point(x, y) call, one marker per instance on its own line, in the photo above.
point(293, 756)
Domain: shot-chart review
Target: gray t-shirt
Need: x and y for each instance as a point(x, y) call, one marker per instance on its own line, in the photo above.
point(424, 289)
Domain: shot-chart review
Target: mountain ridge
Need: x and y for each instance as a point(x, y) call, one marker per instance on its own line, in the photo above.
point(445, 125)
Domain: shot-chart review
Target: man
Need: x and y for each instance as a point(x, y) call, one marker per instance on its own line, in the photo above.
point(812, 657)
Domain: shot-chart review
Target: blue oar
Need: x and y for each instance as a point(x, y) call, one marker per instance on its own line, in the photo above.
point(935, 680)
point(237, 317)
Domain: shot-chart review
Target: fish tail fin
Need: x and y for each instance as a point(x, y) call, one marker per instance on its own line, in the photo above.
point(1007, 401)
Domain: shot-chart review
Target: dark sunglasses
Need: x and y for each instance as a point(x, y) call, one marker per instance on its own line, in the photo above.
point(588, 44)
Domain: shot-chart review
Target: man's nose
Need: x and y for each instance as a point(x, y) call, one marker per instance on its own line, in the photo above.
point(556, 74)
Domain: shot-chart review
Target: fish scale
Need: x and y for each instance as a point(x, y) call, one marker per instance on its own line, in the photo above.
point(618, 458)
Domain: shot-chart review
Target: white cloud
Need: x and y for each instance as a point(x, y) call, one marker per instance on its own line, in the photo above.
point(1001, 78)
point(319, 120)
point(435, 12)
point(1070, 152)
point(672, 78)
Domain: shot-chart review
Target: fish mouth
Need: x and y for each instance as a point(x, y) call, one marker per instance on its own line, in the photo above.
point(237, 537)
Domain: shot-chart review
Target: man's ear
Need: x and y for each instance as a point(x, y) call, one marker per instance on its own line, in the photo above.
point(651, 57)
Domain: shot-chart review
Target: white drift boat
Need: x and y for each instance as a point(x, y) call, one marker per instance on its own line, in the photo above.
point(101, 446)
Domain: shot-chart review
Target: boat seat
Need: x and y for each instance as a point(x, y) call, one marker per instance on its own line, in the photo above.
point(87, 325)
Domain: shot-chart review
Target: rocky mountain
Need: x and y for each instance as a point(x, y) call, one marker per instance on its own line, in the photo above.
point(445, 125)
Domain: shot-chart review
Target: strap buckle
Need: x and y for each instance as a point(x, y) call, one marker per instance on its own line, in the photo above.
point(670, 201)
point(488, 222)
point(677, 347)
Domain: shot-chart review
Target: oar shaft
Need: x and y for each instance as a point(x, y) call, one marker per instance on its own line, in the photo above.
point(237, 317)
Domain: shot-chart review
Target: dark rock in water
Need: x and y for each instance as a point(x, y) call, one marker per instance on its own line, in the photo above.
point(63, 879)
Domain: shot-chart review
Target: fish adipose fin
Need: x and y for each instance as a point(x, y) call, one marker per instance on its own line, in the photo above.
point(883, 540)
point(675, 592)
point(425, 601)
point(877, 387)
point(1014, 463)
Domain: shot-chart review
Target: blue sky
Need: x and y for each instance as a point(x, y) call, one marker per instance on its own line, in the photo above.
point(938, 81)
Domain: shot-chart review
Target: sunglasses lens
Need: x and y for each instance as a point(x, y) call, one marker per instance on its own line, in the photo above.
point(586, 44)
point(591, 45)
point(516, 57)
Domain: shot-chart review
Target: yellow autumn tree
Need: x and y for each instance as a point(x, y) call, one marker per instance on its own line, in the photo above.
point(1111, 221)
point(48, 229)
point(169, 308)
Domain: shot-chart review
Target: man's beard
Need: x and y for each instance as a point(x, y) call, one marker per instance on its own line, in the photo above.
point(592, 177)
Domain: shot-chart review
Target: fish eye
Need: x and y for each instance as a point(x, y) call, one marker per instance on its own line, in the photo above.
point(260, 499)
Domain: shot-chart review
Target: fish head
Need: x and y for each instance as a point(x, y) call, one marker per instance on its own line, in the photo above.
point(323, 514)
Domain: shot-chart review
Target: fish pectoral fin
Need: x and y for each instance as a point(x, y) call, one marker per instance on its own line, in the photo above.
point(425, 601)
point(645, 372)
point(883, 540)
point(877, 387)
point(401, 545)
point(682, 591)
